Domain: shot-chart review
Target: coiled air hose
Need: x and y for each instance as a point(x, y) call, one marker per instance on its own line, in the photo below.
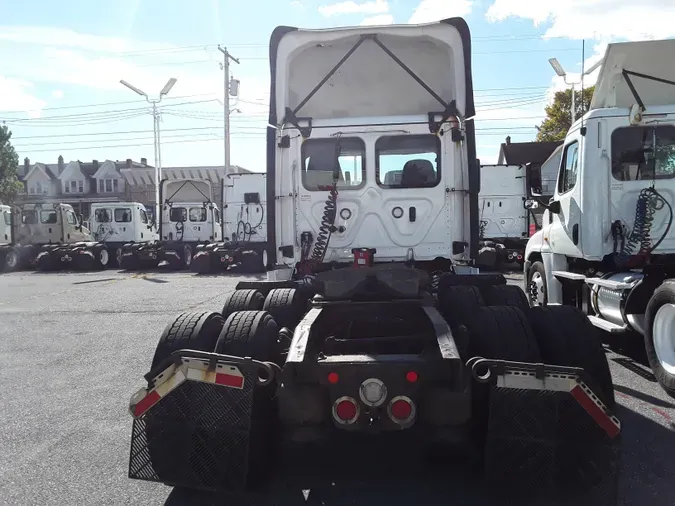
point(327, 224)
point(180, 228)
point(639, 241)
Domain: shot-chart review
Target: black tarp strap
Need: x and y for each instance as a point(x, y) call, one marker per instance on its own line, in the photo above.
point(450, 109)
point(627, 73)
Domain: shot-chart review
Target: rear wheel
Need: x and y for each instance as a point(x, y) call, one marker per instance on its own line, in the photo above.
point(505, 295)
point(242, 300)
point(566, 337)
point(13, 260)
point(195, 331)
point(255, 334)
point(286, 305)
point(101, 257)
point(660, 335)
point(187, 256)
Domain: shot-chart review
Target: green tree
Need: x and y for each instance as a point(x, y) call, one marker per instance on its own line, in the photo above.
point(559, 114)
point(9, 161)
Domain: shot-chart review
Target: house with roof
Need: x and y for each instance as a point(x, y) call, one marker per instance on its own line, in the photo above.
point(76, 183)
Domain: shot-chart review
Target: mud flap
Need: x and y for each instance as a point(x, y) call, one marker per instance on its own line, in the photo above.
point(549, 437)
point(196, 426)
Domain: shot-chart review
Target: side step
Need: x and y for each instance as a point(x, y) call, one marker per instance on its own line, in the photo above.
point(612, 328)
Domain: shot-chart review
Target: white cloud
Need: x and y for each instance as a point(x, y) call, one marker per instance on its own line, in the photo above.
point(434, 10)
point(58, 94)
point(15, 96)
point(351, 7)
point(296, 4)
point(382, 19)
point(592, 19)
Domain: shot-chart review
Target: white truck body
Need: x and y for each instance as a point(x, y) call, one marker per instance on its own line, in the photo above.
point(609, 225)
point(5, 225)
point(405, 187)
point(188, 214)
point(503, 191)
point(244, 207)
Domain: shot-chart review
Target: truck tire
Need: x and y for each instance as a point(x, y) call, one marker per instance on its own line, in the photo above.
point(242, 300)
point(13, 260)
point(195, 331)
point(478, 280)
point(506, 295)
point(252, 334)
point(101, 256)
point(286, 305)
point(535, 285)
point(457, 303)
point(660, 335)
point(566, 337)
point(502, 333)
point(255, 334)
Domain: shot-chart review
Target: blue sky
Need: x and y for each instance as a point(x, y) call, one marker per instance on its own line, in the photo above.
point(62, 62)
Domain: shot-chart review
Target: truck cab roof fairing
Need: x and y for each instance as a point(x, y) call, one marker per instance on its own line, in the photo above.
point(448, 41)
point(652, 59)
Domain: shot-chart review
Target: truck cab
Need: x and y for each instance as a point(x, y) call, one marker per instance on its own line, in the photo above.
point(49, 224)
point(118, 223)
point(5, 233)
point(607, 242)
point(352, 167)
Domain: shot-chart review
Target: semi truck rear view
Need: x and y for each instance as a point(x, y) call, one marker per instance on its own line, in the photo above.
point(375, 347)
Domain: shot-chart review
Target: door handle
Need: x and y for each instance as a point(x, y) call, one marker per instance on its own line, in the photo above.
point(575, 234)
point(412, 213)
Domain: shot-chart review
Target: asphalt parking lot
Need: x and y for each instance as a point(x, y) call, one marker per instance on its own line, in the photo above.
point(74, 347)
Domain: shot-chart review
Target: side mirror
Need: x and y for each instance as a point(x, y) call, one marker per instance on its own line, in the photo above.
point(554, 206)
point(531, 204)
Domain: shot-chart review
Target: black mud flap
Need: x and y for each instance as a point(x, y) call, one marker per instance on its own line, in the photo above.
point(549, 437)
point(196, 426)
point(206, 262)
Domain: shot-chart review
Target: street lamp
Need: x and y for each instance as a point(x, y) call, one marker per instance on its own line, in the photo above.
point(561, 72)
point(155, 116)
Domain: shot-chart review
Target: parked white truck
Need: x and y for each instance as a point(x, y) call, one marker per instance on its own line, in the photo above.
point(117, 224)
point(52, 237)
point(505, 222)
point(244, 227)
point(5, 233)
point(188, 219)
point(607, 244)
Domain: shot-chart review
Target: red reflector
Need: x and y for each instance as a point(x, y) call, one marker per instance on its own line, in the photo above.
point(600, 417)
point(346, 410)
point(146, 403)
point(520, 257)
point(333, 377)
point(411, 376)
point(401, 409)
point(533, 229)
point(230, 380)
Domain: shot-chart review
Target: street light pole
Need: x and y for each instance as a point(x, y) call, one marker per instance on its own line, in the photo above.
point(561, 72)
point(155, 124)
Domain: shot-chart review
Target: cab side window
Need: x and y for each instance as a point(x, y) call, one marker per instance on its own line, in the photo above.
point(569, 171)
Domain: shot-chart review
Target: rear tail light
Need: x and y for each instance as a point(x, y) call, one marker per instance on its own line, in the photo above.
point(345, 410)
point(401, 410)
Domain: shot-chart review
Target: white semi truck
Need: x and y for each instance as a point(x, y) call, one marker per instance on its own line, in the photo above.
point(349, 357)
point(607, 244)
point(5, 233)
point(188, 219)
point(244, 242)
point(52, 237)
point(119, 223)
point(505, 222)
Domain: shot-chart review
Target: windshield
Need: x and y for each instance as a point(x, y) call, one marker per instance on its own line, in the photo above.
point(178, 214)
point(48, 217)
point(640, 153)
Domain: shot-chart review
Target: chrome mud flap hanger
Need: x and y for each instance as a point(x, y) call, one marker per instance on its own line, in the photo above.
point(449, 108)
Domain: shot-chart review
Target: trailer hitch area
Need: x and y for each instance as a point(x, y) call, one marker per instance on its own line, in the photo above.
point(547, 431)
point(193, 365)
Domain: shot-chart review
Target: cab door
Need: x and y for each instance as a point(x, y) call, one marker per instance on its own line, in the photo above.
point(565, 229)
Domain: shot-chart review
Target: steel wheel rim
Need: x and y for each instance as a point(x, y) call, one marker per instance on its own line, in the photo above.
point(536, 289)
point(663, 334)
point(103, 257)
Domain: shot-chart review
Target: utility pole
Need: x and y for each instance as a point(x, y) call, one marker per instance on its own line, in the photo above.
point(228, 89)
